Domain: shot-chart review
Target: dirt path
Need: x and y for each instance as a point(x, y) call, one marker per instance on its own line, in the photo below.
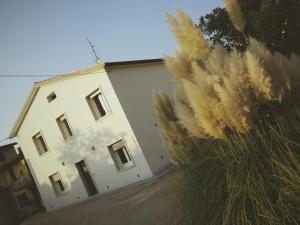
point(154, 203)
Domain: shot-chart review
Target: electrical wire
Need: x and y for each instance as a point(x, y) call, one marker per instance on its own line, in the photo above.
point(24, 76)
point(4, 139)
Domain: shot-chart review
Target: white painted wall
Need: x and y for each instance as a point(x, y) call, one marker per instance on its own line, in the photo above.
point(134, 87)
point(71, 100)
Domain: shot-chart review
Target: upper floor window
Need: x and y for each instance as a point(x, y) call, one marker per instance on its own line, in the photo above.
point(98, 104)
point(57, 184)
point(120, 155)
point(64, 127)
point(51, 97)
point(40, 143)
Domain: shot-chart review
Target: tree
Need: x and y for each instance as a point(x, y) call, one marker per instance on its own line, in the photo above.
point(276, 23)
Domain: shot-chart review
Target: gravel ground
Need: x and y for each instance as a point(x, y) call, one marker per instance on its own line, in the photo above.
point(156, 202)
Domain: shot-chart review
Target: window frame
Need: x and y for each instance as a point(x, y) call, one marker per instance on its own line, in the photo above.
point(34, 139)
point(52, 181)
point(50, 97)
point(23, 202)
point(59, 122)
point(120, 166)
point(93, 105)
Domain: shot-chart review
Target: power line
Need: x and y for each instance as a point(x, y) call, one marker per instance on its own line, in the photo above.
point(4, 139)
point(24, 75)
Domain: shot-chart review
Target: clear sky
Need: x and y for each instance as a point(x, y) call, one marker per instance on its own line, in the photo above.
point(41, 37)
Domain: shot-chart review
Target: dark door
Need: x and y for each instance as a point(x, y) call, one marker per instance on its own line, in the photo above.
point(86, 178)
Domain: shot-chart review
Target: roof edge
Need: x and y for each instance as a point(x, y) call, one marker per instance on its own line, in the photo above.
point(14, 131)
point(36, 86)
point(6, 145)
point(118, 64)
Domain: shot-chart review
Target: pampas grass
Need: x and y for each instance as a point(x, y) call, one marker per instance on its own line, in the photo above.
point(175, 137)
point(235, 15)
point(247, 179)
point(234, 127)
point(224, 89)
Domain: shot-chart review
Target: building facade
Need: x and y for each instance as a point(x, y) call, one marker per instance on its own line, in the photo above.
point(17, 188)
point(93, 130)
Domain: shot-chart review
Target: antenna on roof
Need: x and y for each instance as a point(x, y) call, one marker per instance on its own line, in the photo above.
point(92, 46)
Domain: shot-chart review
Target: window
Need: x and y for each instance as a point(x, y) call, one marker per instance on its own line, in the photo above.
point(51, 97)
point(40, 143)
point(120, 155)
point(64, 127)
point(23, 200)
point(98, 104)
point(57, 184)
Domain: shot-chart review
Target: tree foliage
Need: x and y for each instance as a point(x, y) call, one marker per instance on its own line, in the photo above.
point(276, 23)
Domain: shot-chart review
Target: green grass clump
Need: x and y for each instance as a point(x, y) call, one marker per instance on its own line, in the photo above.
point(247, 179)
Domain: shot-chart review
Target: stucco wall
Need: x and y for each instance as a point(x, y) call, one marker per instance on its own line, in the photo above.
point(17, 168)
point(62, 156)
point(9, 152)
point(135, 87)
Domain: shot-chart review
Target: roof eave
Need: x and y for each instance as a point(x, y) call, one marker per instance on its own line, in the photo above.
point(133, 63)
point(36, 86)
point(7, 145)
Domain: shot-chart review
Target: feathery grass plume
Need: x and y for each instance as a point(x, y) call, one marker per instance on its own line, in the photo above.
point(224, 89)
point(175, 138)
point(267, 73)
point(234, 94)
point(187, 120)
point(241, 154)
point(247, 179)
point(191, 41)
point(235, 14)
point(180, 65)
point(206, 111)
point(292, 66)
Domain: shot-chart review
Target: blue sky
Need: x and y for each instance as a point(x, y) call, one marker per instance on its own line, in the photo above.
point(41, 37)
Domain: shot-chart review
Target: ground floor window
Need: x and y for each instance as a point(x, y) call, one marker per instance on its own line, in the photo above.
point(57, 184)
point(22, 200)
point(120, 155)
point(40, 143)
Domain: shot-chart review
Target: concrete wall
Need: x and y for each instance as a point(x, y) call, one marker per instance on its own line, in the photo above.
point(9, 152)
point(90, 140)
point(135, 86)
point(9, 212)
point(18, 168)
point(28, 209)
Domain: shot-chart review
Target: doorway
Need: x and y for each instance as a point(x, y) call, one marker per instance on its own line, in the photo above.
point(86, 178)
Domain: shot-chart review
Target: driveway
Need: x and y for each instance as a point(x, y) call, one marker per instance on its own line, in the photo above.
point(156, 202)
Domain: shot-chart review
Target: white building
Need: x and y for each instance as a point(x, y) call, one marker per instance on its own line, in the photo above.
point(93, 130)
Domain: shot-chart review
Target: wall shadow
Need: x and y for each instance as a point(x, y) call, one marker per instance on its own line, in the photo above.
point(91, 146)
